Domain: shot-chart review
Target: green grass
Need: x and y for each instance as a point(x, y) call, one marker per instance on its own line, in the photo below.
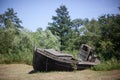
point(16, 58)
point(107, 65)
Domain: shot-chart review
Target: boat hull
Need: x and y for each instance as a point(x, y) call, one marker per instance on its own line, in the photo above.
point(49, 60)
point(44, 63)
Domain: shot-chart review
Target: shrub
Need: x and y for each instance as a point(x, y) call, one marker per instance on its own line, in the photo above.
point(16, 58)
point(107, 65)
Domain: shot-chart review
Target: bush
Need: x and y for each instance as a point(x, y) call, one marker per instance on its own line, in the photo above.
point(16, 58)
point(107, 65)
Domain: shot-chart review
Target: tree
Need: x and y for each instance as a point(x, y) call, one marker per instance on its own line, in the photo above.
point(10, 15)
point(9, 27)
point(76, 24)
point(110, 36)
point(7, 37)
point(74, 35)
point(61, 25)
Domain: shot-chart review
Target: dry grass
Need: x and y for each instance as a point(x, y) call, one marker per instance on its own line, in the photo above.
point(20, 72)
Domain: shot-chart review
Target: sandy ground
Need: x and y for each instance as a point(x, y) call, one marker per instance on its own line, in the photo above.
point(21, 72)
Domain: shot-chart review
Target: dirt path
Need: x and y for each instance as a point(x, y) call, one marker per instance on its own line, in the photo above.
point(21, 72)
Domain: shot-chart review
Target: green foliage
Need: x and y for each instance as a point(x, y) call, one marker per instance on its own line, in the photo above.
point(102, 34)
point(45, 39)
point(10, 15)
point(61, 26)
point(20, 51)
point(16, 58)
point(9, 24)
point(107, 65)
point(110, 37)
point(15, 42)
point(7, 37)
point(106, 49)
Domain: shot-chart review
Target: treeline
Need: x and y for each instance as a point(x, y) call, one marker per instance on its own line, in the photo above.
point(102, 34)
point(17, 43)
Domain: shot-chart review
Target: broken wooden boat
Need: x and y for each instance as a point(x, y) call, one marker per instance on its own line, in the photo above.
point(50, 59)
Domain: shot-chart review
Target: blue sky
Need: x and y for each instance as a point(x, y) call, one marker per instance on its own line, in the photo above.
point(37, 13)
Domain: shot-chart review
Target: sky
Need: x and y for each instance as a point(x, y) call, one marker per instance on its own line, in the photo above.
point(38, 13)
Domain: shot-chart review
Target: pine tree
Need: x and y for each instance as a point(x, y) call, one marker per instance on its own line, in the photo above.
point(61, 25)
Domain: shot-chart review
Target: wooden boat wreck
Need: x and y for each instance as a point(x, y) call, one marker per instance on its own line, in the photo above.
point(50, 59)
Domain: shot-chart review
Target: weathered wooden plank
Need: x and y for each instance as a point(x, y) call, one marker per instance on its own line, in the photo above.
point(57, 53)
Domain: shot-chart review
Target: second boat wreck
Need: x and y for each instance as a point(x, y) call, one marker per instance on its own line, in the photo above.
point(50, 59)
